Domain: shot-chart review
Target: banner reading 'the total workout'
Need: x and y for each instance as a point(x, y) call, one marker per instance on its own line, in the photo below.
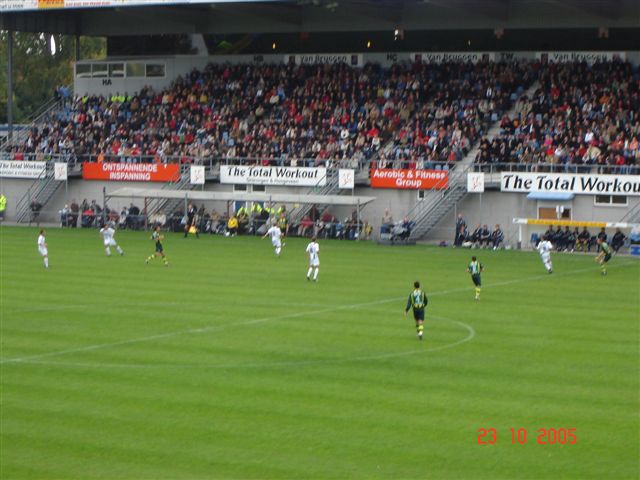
point(262, 175)
point(585, 184)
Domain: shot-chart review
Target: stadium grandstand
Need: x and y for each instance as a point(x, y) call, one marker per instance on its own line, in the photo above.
point(494, 105)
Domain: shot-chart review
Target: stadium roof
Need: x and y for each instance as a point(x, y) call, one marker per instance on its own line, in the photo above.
point(179, 17)
point(273, 198)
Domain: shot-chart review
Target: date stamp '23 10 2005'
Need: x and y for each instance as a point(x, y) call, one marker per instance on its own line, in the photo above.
point(546, 436)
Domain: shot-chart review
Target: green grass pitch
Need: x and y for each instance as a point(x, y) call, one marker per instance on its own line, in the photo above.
point(229, 364)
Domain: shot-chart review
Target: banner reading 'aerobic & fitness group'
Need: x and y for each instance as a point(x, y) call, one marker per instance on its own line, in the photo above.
point(131, 172)
point(409, 179)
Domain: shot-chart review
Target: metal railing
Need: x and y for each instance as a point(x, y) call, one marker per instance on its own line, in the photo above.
point(633, 215)
point(158, 205)
point(330, 186)
point(359, 165)
point(209, 162)
point(452, 181)
point(212, 163)
point(36, 117)
point(495, 168)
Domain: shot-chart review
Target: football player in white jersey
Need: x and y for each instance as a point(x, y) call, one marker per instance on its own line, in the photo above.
point(108, 240)
point(276, 234)
point(544, 248)
point(43, 249)
point(313, 250)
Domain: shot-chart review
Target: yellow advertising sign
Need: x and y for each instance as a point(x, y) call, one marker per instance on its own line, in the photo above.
point(563, 223)
point(50, 3)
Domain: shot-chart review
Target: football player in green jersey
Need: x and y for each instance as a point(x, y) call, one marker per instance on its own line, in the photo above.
point(604, 256)
point(418, 301)
point(157, 237)
point(475, 268)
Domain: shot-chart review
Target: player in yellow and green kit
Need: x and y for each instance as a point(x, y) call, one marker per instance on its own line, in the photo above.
point(418, 301)
point(282, 224)
point(604, 256)
point(475, 268)
point(157, 237)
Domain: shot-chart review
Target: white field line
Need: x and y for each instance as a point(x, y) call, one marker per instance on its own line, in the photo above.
point(277, 317)
point(80, 306)
point(471, 333)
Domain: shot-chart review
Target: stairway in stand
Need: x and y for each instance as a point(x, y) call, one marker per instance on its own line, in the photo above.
point(428, 213)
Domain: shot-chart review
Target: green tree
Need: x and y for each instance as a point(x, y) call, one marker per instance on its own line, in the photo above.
point(38, 69)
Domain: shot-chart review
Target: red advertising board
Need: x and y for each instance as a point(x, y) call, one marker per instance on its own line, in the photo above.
point(131, 172)
point(409, 179)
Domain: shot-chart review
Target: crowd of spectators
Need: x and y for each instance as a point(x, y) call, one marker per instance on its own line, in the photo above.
point(276, 114)
point(581, 117)
point(395, 231)
point(91, 214)
point(414, 116)
point(326, 225)
point(460, 101)
point(426, 114)
point(255, 220)
point(480, 237)
point(569, 240)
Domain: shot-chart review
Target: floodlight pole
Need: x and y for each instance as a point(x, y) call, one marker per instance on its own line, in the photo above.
point(10, 84)
point(358, 222)
point(104, 205)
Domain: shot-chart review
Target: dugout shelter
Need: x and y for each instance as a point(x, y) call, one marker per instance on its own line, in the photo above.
point(270, 199)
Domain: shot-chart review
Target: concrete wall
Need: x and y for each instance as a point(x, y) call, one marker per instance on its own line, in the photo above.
point(181, 64)
point(14, 189)
point(501, 208)
point(490, 207)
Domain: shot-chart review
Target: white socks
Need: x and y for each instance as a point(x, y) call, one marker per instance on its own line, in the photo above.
point(46, 262)
point(278, 250)
point(315, 274)
point(108, 250)
point(309, 272)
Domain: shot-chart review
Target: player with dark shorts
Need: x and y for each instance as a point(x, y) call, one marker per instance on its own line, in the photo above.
point(604, 256)
point(191, 224)
point(475, 268)
point(157, 237)
point(418, 301)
